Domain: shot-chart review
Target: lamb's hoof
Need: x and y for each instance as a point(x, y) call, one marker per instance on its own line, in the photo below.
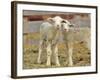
point(39, 62)
point(58, 65)
point(48, 65)
point(70, 65)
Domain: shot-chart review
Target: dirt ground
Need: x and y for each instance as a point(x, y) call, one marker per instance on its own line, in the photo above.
point(81, 54)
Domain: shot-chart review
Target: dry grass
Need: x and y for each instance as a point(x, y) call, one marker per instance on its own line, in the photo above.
point(81, 55)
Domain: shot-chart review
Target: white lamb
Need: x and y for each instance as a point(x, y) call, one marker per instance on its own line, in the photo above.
point(49, 36)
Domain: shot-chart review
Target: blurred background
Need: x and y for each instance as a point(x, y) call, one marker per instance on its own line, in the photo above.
point(33, 19)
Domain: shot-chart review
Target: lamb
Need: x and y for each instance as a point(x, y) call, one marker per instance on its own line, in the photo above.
point(67, 33)
point(49, 36)
point(69, 38)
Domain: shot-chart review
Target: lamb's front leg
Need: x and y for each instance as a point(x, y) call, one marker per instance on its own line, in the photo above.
point(56, 55)
point(40, 51)
point(49, 52)
point(70, 54)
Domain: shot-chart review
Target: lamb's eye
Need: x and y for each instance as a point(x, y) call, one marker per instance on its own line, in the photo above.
point(62, 25)
point(70, 25)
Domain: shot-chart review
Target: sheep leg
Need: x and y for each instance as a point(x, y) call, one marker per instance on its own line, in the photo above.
point(40, 51)
point(70, 52)
point(49, 52)
point(56, 55)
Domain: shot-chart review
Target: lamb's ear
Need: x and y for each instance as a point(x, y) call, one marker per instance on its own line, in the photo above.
point(63, 21)
point(50, 20)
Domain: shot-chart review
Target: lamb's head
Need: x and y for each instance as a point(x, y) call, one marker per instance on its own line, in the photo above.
point(65, 25)
point(56, 21)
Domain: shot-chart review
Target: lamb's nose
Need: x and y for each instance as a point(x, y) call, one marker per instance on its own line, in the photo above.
point(65, 29)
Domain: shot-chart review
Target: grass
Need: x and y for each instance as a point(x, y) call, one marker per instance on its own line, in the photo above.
point(81, 55)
